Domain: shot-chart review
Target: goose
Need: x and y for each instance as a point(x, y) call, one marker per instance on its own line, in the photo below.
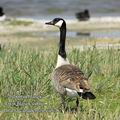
point(2, 14)
point(68, 79)
point(83, 16)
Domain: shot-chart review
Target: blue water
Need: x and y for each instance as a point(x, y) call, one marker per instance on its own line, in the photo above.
point(91, 34)
point(63, 8)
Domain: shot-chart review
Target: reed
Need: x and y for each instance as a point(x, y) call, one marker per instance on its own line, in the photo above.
point(26, 91)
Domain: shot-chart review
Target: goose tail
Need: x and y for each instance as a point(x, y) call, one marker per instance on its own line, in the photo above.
point(87, 95)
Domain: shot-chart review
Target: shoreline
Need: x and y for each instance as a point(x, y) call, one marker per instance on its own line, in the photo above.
point(71, 19)
point(31, 31)
point(93, 23)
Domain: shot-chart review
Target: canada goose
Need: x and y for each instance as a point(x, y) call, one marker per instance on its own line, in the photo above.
point(2, 14)
point(83, 16)
point(68, 79)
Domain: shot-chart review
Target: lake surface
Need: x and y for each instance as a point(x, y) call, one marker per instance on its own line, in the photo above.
point(43, 9)
point(48, 9)
point(92, 34)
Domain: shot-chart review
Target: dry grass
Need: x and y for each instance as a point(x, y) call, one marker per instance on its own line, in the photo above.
point(25, 71)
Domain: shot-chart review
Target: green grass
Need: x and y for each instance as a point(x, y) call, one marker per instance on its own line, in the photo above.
point(25, 71)
point(15, 22)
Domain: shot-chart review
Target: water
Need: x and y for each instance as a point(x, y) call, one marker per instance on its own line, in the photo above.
point(106, 34)
point(91, 34)
point(42, 9)
point(100, 10)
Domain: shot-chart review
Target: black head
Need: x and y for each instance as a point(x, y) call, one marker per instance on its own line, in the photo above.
point(86, 11)
point(59, 22)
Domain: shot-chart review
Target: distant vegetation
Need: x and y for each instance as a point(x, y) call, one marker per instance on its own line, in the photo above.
point(26, 72)
point(19, 22)
point(55, 10)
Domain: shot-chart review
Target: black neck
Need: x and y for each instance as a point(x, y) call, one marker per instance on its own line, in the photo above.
point(62, 51)
point(1, 14)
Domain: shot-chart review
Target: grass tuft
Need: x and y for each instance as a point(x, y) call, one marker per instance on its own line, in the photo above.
point(26, 72)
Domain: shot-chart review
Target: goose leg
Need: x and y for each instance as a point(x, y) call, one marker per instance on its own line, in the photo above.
point(77, 104)
point(63, 102)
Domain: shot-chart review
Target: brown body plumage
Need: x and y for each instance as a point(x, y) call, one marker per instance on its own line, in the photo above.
point(70, 76)
point(68, 79)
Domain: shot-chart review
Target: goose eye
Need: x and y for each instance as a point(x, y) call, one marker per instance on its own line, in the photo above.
point(55, 20)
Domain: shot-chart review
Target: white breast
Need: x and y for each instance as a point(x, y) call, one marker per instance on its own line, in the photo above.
point(61, 61)
point(59, 23)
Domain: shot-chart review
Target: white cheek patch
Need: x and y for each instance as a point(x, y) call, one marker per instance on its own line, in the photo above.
point(2, 18)
point(59, 23)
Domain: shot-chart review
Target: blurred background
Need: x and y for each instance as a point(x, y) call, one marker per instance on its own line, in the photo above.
point(42, 9)
point(102, 20)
